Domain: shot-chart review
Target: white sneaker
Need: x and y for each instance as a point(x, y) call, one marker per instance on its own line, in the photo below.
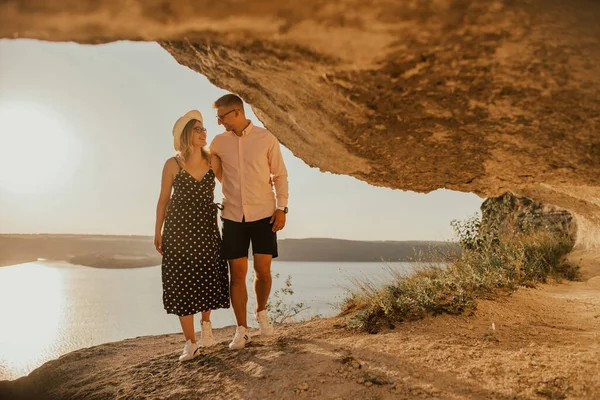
point(265, 326)
point(206, 335)
point(190, 351)
point(240, 339)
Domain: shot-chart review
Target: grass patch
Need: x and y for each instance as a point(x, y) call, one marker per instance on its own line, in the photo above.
point(490, 263)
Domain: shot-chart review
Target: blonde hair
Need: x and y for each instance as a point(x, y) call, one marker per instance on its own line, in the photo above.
point(186, 143)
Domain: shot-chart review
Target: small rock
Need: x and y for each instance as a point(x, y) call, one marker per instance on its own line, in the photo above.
point(356, 364)
point(368, 383)
point(304, 386)
point(346, 359)
point(380, 127)
point(322, 381)
point(360, 380)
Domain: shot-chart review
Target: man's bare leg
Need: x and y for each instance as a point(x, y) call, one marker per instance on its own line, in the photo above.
point(262, 280)
point(238, 269)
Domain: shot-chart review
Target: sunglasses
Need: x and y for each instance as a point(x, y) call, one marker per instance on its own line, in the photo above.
point(198, 129)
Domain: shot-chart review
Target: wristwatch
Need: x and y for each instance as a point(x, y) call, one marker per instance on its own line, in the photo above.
point(284, 209)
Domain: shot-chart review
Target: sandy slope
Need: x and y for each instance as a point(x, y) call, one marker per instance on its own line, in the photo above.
point(546, 344)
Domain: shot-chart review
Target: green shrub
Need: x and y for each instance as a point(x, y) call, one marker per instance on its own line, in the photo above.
point(491, 262)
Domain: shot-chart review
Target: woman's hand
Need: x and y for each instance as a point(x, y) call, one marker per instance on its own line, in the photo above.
point(158, 242)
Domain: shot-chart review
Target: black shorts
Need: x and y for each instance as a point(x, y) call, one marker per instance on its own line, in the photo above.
point(238, 235)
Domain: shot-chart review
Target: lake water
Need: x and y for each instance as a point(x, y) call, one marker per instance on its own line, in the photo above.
point(48, 309)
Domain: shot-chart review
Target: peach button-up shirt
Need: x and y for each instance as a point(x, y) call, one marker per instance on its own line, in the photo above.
point(254, 176)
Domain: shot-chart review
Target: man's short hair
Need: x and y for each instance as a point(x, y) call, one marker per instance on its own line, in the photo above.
point(229, 100)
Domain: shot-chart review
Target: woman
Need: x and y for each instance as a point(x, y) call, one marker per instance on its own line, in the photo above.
point(194, 276)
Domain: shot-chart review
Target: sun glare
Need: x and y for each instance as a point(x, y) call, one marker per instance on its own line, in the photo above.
point(31, 329)
point(37, 148)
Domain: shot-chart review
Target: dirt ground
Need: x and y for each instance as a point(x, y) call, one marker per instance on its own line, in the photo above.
point(537, 343)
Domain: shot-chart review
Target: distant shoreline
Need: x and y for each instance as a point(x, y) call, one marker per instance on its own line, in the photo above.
point(148, 265)
point(91, 262)
point(120, 251)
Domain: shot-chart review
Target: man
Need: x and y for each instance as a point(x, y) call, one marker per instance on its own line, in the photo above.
point(255, 188)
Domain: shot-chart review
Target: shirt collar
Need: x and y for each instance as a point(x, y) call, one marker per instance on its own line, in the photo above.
point(248, 129)
point(245, 132)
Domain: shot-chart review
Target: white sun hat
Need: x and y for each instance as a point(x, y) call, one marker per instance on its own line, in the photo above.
point(181, 123)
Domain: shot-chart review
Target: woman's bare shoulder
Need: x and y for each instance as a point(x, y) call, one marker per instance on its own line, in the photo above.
point(171, 165)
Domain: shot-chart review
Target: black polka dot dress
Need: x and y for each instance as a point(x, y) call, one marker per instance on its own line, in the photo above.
point(194, 276)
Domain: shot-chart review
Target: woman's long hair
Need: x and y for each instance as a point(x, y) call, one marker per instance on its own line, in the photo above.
point(186, 143)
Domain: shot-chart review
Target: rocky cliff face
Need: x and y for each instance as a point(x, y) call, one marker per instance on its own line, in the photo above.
point(482, 96)
point(510, 214)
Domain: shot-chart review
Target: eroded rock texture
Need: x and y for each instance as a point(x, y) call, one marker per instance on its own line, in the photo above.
point(511, 215)
point(482, 96)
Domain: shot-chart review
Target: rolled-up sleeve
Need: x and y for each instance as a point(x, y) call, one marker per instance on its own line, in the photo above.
point(217, 167)
point(279, 173)
point(216, 164)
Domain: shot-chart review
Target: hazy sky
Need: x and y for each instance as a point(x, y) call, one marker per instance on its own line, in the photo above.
point(85, 131)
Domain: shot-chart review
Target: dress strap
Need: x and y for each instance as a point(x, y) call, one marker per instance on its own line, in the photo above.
point(178, 162)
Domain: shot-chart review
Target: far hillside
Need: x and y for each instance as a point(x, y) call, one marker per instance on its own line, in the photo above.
point(361, 251)
point(108, 251)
